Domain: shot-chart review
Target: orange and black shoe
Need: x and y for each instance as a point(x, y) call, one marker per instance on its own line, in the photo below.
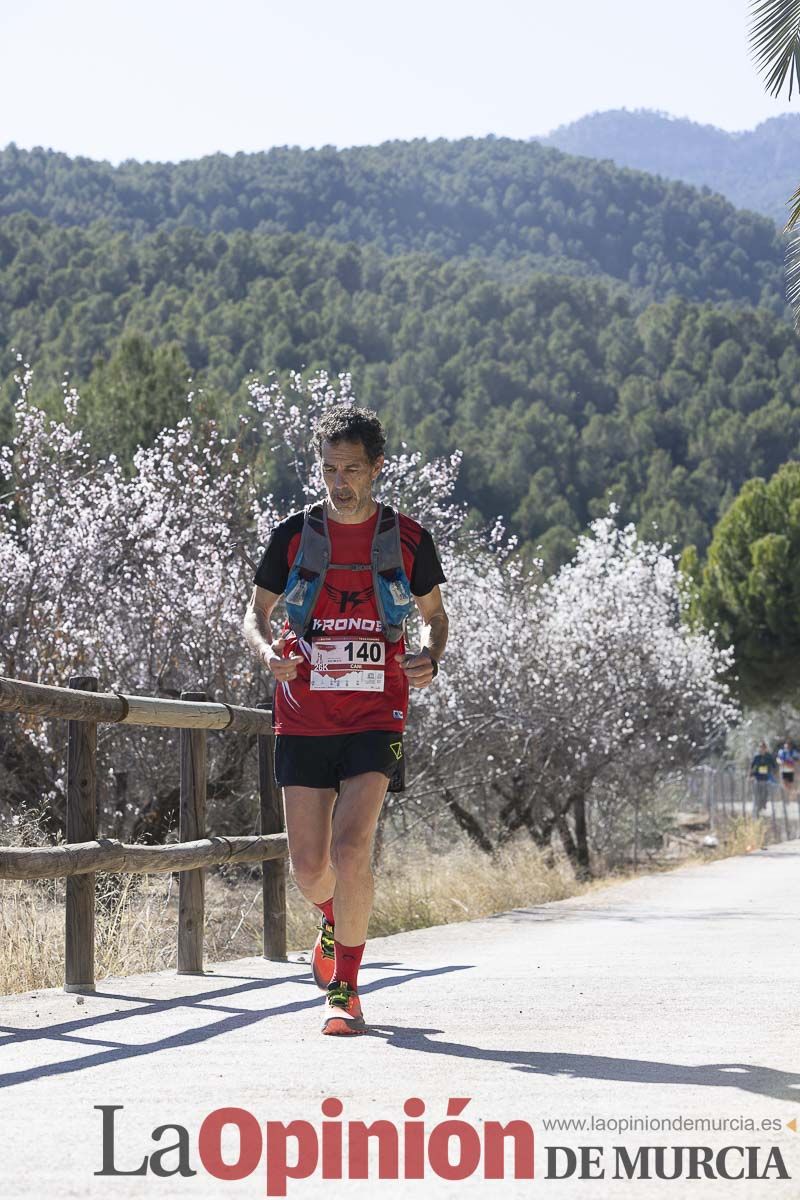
point(322, 956)
point(342, 1010)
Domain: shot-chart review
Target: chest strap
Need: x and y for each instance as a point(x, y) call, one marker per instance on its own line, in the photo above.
point(312, 562)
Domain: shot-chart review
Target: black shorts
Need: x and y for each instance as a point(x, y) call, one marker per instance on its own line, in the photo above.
point(787, 776)
point(323, 762)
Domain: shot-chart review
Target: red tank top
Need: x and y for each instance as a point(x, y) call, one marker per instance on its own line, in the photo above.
point(349, 680)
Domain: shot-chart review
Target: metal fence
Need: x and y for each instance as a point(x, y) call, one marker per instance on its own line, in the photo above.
point(726, 791)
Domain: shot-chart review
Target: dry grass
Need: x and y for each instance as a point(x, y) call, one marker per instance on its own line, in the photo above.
point(740, 835)
point(137, 916)
point(136, 922)
point(417, 890)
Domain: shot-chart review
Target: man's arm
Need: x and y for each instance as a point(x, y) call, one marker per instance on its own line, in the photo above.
point(258, 633)
point(419, 667)
point(434, 623)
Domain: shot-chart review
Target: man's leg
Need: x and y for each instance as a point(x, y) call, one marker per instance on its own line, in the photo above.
point(786, 789)
point(354, 822)
point(308, 831)
point(759, 796)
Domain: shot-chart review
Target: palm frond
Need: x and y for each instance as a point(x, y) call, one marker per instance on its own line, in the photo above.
point(793, 259)
point(794, 216)
point(793, 277)
point(775, 42)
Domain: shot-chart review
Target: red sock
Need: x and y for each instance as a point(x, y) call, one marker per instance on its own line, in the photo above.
point(347, 960)
point(326, 908)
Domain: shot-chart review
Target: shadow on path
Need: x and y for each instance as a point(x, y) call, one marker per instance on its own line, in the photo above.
point(762, 1081)
point(639, 915)
point(69, 1032)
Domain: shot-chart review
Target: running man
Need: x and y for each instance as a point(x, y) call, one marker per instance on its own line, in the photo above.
point(787, 759)
point(350, 571)
point(762, 772)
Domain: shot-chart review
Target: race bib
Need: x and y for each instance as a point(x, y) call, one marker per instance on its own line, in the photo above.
point(351, 665)
point(762, 770)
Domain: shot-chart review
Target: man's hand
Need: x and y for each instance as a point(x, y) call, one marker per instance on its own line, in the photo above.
point(418, 668)
point(284, 669)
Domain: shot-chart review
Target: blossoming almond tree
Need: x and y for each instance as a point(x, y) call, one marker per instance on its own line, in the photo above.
point(134, 579)
point(561, 682)
point(142, 578)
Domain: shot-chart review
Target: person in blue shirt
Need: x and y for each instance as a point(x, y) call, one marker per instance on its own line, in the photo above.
point(787, 759)
point(762, 772)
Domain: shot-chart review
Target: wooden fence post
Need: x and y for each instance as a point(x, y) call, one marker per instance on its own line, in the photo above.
point(273, 873)
point(81, 827)
point(191, 889)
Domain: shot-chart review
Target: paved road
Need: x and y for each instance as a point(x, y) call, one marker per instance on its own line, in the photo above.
point(675, 996)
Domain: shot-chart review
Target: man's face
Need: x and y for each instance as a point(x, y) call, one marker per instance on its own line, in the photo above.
point(348, 476)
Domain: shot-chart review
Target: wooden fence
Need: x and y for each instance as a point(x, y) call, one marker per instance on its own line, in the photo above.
point(84, 853)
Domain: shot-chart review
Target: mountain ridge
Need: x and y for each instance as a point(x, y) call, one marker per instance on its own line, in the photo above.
point(756, 169)
point(485, 198)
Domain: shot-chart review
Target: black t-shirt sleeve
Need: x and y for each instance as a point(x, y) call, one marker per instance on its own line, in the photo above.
point(427, 570)
point(273, 570)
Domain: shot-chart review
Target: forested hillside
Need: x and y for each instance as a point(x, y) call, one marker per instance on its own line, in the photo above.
point(526, 206)
point(562, 393)
point(756, 169)
point(581, 332)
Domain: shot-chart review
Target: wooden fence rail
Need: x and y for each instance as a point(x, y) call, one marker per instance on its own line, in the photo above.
point(84, 853)
point(109, 854)
point(42, 700)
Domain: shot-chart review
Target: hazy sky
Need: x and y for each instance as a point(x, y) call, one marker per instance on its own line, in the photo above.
point(177, 79)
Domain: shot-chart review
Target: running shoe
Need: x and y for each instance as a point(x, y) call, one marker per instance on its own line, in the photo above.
point(322, 956)
point(342, 1010)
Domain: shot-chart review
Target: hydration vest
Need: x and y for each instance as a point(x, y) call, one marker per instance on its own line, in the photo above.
point(313, 561)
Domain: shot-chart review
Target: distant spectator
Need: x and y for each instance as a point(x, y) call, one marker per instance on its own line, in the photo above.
point(762, 772)
point(787, 759)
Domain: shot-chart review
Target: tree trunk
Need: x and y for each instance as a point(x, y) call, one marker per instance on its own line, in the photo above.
point(156, 817)
point(542, 835)
point(467, 822)
point(26, 780)
point(518, 811)
point(568, 842)
point(511, 822)
point(160, 813)
point(581, 839)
